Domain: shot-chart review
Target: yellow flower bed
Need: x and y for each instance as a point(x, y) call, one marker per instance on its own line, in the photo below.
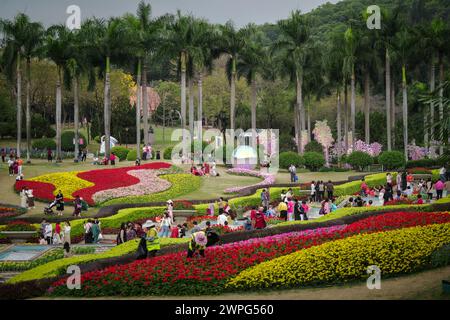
point(67, 182)
point(394, 252)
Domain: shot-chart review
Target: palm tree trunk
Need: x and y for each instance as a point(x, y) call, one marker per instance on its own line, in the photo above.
point(367, 107)
point(346, 117)
point(338, 120)
point(388, 100)
point(233, 93)
point(138, 109)
point(19, 104)
point(253, 107)
point(432, 88)
point(58, 115)
point(191, 107)
point(28, 110)
point(393, 111)
point(309, 123)
point(441, 104)
point(300, 111)
point(145, 102)
point(183, 101)
point(200, 106)
point(296, 129)
point(76, 113)
point(405, 112)
point(107, 109)
point(353, 107)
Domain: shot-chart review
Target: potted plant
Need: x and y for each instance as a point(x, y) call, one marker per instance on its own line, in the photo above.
point(19, 231)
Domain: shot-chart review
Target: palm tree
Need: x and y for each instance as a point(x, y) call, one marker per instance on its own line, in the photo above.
point(231, 43)
point(15, 37)
point(57, 45)
point(294, 44)
point(402, 51)
point(108, 40)
point(349, 68)
point(251, 62)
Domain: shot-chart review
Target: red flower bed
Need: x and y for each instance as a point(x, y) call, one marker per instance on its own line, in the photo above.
point(173, 274)
point(41, 190)
point(398, 202)
point(112, 178)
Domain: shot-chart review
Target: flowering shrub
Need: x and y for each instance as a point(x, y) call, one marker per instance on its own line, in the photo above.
point(322, 134)
point(268, 178)
point(394, 252)
point(174, 274)
point(416, 152)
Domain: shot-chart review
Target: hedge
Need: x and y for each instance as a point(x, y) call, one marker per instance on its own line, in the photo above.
point(59, 267)
point(359, 159)
point(120, 152)
point(394, 252)
point(353, 187)
point(181, 184)
point(392, 159)
point(44, 144)
point(288, 158)
point(313, 160)
point(132, 155)
point(67, 138)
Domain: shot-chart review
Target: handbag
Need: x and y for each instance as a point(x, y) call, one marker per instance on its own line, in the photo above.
point(100, 236)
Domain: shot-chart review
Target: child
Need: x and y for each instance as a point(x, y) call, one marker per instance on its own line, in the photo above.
point(175, 231)
point(419, 199)
point(304, 210)
point(270, 213)
point(369, 204)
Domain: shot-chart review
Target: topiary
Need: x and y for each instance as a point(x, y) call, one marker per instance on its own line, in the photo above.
point(288, 158)
point(50, 133)
point(167, 155)
point(120, 152)
point(131, 155)
point(392, 160)
point(359, 159)
point(67, 139)
point(97, 139)
point(44, 144)
point(314, 146)
point(313, 160)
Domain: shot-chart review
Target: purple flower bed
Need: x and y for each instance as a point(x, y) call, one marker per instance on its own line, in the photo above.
point(268, 178)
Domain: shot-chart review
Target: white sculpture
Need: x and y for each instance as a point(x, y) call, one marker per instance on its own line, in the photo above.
point(112, 142)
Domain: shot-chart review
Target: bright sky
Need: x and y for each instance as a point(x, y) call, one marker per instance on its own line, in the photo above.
point(216, 11)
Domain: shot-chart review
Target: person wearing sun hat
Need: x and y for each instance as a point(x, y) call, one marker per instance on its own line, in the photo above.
point(198, 242)
point(170, 209)
point(151, 236)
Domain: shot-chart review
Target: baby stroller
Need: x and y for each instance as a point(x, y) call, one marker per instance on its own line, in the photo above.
point(48, 210)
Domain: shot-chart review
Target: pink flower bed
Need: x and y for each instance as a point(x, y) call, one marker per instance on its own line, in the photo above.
point(149, 182)
point(268, 178)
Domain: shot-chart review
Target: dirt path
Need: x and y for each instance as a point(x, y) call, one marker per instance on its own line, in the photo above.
point(423, 285)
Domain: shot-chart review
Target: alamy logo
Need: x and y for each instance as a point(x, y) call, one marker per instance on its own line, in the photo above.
point(374, 280)
point(74, 20)
point(374, 20)
point(74, 280)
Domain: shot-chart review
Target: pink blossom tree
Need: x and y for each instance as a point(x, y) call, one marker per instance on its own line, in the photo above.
point(322, 134)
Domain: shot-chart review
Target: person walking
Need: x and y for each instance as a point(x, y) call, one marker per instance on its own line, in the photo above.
point(3, 155)
point(84, 155)
point(11, 166)
point(95, 229)
point(23, 197)
point(265, 198)
point(77, 206)
point(49, 155)
point(166, 224)
point(439, 187)
point(59, 203)
point(67, 229)
point(151, 235)
point(330, 189)
point(48, 233)
point(292, 172)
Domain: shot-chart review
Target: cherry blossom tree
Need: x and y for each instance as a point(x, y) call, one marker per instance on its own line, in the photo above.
point(322, 134)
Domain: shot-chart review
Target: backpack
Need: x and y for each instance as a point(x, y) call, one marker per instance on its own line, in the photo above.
point(142, 250)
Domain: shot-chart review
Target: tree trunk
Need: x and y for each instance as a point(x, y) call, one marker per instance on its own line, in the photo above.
point(346, 117)
point(432, 88)
point(145, 102)
point(200, 106)
point(405, 112)
point(441, 103)
point(76, 113)
point(19, 105)
point(388, 100)
point(58, 115)
point(301, 123)
point(191, 107)
point(107, 111)
point(338, 120)
point(309, 123)
point(233, 93)
point(367, 107)
point(253, 107)
point(183, 101)
point(296, 129)
point(393, 111)
point(353, 108)
point(28, 110)
point(138, 109)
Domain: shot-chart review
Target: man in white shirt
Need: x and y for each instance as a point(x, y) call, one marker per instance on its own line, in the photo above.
point(10, 166)
point(48, 231)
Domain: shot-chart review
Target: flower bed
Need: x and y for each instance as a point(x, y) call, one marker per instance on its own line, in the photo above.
point(19, 225)
point(419, 170)
point(268, 178)
point(59, 267)
point(181, 184)
point(149, 182)
point(183, 205)
point(174, 274)
point(394, 252)
point(399, 202)
point(9, 211)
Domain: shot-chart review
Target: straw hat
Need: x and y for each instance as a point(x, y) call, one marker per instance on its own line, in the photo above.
point(148, 224)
